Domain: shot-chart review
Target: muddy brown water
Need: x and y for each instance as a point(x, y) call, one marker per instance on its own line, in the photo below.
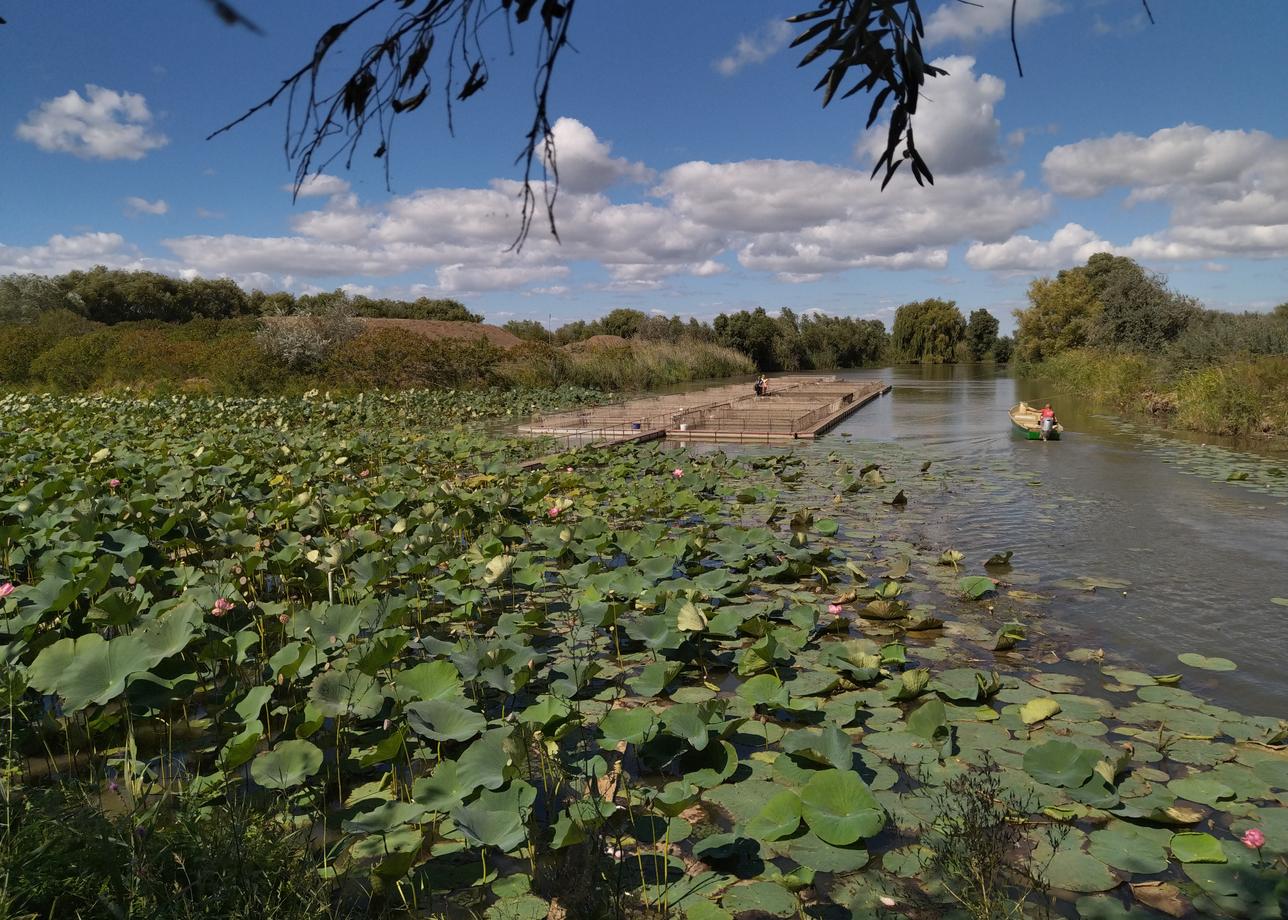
point(1113, 502)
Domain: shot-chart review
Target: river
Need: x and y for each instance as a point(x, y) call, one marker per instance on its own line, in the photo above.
point(1181, 559)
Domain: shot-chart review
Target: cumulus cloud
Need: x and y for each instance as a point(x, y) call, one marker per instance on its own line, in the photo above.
point(1227, 190)
point(104, 124)
point(1072, 244)
point(319, 185)
point(790, 218)
point(957, 129)
point(67, 253)
point(980, 18)
point(755, 48)
point(585, 162)
point(135, 206)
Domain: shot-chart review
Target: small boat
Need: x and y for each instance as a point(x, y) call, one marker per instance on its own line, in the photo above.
point(1028, 419)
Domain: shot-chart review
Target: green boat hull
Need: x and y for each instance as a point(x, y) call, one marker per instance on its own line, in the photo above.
point(1030, 435)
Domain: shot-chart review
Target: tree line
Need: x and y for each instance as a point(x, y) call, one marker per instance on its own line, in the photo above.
point(111, 296)
point(928, 331)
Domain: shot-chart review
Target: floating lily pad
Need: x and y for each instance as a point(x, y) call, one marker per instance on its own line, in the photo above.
point(1208, 664)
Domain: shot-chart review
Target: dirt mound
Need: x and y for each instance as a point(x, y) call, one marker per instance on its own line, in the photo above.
point(446, 329)
point(597, 341)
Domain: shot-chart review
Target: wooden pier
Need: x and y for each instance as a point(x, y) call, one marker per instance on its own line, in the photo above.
point(795, 408)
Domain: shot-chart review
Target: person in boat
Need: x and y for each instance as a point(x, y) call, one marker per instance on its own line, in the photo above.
point(1046, 421)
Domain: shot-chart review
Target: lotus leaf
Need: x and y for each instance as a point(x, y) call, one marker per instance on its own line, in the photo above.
point(444, 720)
point(1208, 664)
point(287, 765)
point(347, 693)
point(976, 586)
point(1130, 848)
point(838, 807)
point(429, 680)
point(1038, 709)
point(1197, 847)
point(779, 818)
point(497, 818)
point(1061, 763)
point(761, 897)
point(634, 726)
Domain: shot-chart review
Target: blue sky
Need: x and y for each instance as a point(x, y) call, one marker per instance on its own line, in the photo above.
point(700, 174)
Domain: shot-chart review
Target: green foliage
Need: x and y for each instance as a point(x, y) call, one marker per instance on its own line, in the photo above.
point(1062, 314)
point(981, 334)
point(811, 342)
point(529, 330)
point(111, 296)
point(927, 331)
point(64, 856)
point(1138, 312)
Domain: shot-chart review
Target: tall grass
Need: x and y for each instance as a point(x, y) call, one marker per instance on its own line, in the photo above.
point(1239, 395)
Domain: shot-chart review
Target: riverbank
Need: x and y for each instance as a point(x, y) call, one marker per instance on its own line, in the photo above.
point(1241, 396)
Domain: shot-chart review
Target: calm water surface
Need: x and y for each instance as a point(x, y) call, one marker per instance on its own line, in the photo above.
point(1200, 557)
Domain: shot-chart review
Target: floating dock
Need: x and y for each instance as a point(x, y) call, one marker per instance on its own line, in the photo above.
point(795, 408)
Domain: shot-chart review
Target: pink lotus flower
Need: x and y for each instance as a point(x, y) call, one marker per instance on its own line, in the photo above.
point(835, 609)
point(113, 483)
point(222, 606)
point(677, 473)
point(887, 901)
point(553, 512)
point(568, 470)
point(6, 589)
point(365, 473)
point(1253, 839)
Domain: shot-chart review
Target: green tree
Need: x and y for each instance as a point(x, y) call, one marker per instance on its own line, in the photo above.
point(981, 334)
point(1062, 314)
point(1003, 349)
point(623, 322)
point(1138, 311)
point(529, 330)
point(927, 331)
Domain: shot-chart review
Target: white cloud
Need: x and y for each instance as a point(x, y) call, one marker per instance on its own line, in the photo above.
point(319, 185)
point(755, 48)
point(956, 127)
point(1071, 245)
point(206, 214)
point(460, 277)
point(1227, 190)
point(800, 218)
point(1187, 155)
point(584, 161)
point(980, 18)
point(135, 206)
point(67, 253)
point(104, 124)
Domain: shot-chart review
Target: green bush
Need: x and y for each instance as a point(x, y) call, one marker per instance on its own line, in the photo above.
point(74, 363)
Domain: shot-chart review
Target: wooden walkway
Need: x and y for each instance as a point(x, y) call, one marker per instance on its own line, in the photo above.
point(796, 408)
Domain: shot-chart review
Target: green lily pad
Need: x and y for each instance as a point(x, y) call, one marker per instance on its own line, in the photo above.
point(1208, 664)
point(761, 897)
point(1197, 847)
